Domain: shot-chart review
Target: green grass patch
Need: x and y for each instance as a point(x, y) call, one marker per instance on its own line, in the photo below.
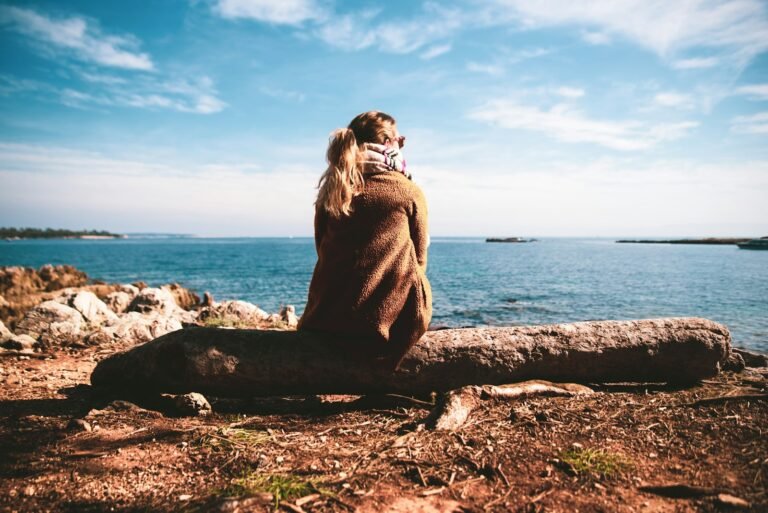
point(229, 439)
point(281, 486)
point(224, 322)
point(601, 463)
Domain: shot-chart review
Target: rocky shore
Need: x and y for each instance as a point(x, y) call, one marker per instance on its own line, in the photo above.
point(59, 306)
point(66, 446)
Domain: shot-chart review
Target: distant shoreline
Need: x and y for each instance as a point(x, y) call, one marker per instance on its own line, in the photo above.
point(11, 234)
point(709, 240)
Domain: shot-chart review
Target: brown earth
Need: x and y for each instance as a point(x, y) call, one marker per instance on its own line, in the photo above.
point(329, 454)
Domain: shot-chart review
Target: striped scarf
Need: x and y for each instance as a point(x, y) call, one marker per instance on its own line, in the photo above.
point(384, 158)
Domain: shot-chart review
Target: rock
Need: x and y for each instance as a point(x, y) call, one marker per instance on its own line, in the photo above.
point(61, 276)
point(288, 316)
point(5, 333)
point(79, 425)
point(119, 300)
point(153, 300)
point(135, 328)
point(93, 309)
point(734, 362)
point(190, 405)
point(3, 302)
point(17, 281)
point(52, 323)
point(263, 501)
point(235, 312)
point(207, 300)
point(21, 343)
point(752, 359)
point(184, 298)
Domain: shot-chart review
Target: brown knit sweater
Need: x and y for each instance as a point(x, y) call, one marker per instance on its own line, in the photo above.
point(370, 279)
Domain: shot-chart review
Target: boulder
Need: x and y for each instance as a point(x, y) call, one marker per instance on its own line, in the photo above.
point(3, 302)
point(52, 323)
point(5, 333)
point(93, 309)
point(16, 281)
point(134, 328)
point(55, 277)
point(153, 300)
point(119, 300)
point(184, 298)
point(238, 313)
point(23, 343)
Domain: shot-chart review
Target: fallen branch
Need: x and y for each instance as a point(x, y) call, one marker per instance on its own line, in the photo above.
point(232, 363)
point(456, 406)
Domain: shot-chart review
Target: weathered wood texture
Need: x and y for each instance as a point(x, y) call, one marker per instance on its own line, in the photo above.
point(236, 363)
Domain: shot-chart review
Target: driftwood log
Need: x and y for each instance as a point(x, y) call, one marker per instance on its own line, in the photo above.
point(241, 363)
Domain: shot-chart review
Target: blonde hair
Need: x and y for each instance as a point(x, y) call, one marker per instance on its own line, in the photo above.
point(343, 179)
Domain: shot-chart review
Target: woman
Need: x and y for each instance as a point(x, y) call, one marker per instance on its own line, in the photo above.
point(369, 287)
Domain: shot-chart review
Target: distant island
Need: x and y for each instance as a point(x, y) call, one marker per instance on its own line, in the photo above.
point(509, 239)
point(52, 233)
point(709, 240)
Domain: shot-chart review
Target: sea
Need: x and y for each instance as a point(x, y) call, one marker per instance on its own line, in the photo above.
point(474, 283)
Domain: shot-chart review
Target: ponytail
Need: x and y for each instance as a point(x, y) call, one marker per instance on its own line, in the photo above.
point(343, 179)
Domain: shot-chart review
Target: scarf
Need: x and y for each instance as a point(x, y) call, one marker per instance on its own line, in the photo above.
point(383, 158)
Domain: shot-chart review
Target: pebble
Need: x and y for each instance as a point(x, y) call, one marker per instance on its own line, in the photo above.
point(79, 425)
point(192, 405)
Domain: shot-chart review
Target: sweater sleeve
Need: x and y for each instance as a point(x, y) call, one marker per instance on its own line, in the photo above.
point(419, 227)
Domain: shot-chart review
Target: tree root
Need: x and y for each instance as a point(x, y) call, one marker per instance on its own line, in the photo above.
point(455, 406)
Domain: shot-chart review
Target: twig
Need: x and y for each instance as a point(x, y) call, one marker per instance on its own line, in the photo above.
point(725, 398)
point(503, 477)
point(412, 400)
point(541, 496)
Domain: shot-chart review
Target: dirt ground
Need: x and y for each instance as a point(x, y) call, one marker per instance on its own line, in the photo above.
point(326, 453)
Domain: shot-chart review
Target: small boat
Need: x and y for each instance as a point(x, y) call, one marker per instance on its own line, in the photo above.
point(761, 243)
point(509, 239)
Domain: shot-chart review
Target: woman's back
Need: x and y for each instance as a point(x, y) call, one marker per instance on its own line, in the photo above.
point(370, 276)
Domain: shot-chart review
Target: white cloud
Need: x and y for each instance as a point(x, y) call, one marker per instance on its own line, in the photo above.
point(754, 91)
point(564, 123)
point(528, 53)
point(148, 92)
point(696, 63)
point(737, 28)
point(674, 99)
point(283, 94)
point(77, 187)
point(435, 51)
point(288, 12)
point(602, 197)
point(569, 92)
point(488, 69)
point(358, 31)
point(754, 124)
point(78, 36)
point(607, 196)
point(596, 38)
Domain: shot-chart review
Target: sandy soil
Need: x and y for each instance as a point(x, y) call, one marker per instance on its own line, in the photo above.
point(318, 454)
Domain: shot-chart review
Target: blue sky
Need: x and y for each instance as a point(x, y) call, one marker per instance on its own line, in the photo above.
point(539, 118)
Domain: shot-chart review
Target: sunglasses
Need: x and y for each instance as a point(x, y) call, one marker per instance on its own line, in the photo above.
point(400, 140)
